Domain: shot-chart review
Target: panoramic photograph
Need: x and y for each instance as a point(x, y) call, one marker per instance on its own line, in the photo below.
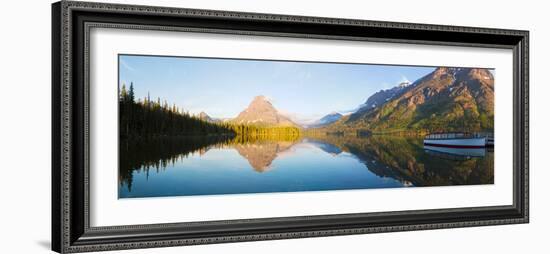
point(213, 126)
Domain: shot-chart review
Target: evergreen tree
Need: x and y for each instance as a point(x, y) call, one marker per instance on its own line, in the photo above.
point(152, 119)
point(123, 93)
point(131, 92)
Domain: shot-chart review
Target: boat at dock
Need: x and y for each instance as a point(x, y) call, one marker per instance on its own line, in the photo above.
point(458, 140)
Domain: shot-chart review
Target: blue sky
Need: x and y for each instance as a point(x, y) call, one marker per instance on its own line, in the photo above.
point(224, 87)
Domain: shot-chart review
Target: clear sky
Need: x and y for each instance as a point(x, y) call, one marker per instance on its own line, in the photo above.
point(224, 87)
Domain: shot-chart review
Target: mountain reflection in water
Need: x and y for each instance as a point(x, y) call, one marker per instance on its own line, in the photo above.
point(232, 165)
point(260, 154)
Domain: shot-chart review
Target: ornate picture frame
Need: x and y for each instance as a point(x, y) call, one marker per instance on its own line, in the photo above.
point(71, 228)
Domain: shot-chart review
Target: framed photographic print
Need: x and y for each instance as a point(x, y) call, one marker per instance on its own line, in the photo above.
point(181, 126)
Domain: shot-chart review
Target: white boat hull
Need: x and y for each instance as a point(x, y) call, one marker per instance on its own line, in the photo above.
point(457, 143)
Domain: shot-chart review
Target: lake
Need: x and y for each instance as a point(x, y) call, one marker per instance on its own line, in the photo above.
point(164, 167)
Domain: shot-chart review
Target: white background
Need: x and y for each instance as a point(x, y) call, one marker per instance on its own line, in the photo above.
point(25, 126)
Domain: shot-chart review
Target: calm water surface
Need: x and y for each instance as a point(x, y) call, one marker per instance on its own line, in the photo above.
point(206, 166)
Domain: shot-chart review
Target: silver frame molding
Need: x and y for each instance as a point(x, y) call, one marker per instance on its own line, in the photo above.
point(71, 23)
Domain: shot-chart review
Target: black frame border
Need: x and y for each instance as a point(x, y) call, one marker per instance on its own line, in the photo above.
point(71, 22)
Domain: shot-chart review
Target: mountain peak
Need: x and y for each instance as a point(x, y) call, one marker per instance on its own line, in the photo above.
point(261, 111)
point(448, 94)
point(404, 84)
point(205, 117)
point(260, 97)
point(260, 101)
point(381, 97)
point(481, 74)
point(326, 120)
point(454, 72)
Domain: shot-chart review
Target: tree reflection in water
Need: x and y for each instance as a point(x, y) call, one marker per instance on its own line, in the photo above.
point(404, 159)
point(400, 158)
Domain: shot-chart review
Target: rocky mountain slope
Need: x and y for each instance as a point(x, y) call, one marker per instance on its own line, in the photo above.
point(447, 99)
point(326, 120)
point(261, 112)
point(205, 117)
point(381, 97)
